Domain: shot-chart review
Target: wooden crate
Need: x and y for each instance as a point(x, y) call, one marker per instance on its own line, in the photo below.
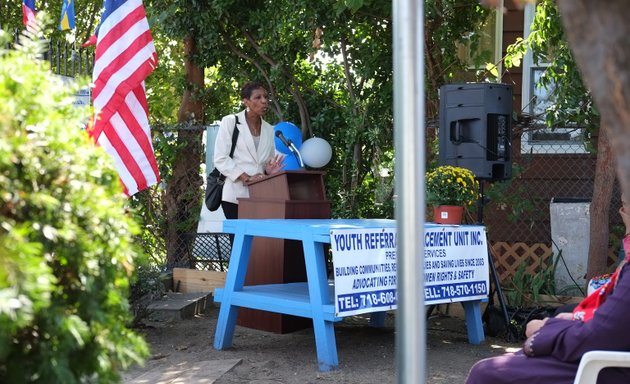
point(192, 280)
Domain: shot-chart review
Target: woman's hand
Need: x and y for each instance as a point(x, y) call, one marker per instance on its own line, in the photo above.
point(244, 177)
point(274, 165)
point(534, 325)
point(565, 315)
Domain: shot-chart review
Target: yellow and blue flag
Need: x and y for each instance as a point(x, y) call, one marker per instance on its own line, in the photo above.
point(67, 15)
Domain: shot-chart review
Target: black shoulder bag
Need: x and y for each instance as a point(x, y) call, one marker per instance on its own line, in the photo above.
point(215, 180)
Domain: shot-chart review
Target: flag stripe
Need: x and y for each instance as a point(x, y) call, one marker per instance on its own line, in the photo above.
point(128, 182)
point(131, 148)
point(109, 93)
point(133, 134)
point(112, 42)
point(125, 56)
point(134, 59)
point(28, 13)
point(120, 149)
point(139, 108)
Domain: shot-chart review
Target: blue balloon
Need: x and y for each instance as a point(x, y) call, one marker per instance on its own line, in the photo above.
point(290, 132)
point(291, 163)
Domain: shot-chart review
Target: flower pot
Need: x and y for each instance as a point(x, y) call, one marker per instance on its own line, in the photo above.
point(448, 214)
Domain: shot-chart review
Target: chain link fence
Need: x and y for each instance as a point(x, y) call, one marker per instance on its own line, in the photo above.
point(192, 234)
point(210, 251)
point(548, 166)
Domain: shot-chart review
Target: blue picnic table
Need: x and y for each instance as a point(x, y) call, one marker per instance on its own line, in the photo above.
point(312, 299)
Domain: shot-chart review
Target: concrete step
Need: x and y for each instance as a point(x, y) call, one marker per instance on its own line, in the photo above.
point(205, 372)
point(174, 306)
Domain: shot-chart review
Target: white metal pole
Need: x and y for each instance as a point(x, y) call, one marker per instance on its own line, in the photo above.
point(409, 127)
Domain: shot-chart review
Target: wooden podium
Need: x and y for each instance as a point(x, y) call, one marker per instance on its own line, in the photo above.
point(285, 195)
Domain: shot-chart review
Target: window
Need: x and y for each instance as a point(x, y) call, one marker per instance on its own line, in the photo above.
point(490, 42)
point(535, 100)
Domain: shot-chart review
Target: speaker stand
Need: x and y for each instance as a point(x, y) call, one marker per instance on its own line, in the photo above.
point(493, 271)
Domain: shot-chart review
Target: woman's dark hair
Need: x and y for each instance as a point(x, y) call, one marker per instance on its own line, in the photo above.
point(249, 88)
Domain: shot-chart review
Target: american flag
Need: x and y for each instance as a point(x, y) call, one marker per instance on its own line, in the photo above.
point(28, 13)
point(124, 57)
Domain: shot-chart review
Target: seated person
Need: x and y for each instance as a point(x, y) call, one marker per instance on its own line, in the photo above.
point(554, 346)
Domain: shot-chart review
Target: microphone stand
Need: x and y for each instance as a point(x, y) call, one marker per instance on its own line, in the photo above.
point(493, 270)
point(291, 147)
point(296, 153)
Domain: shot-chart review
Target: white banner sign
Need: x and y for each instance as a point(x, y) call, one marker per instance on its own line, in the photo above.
point(455, 264)
point(364, 263)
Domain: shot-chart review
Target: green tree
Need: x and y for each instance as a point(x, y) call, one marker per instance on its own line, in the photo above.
point(67, 250)
point(328, 67)
point(571, 105)
point(597, 35)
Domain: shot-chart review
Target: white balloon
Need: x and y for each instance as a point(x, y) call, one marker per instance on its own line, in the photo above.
point(316, 152)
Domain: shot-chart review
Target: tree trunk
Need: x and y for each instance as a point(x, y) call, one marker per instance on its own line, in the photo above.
point(600, 206)
point(598, 36)
point(183, 191)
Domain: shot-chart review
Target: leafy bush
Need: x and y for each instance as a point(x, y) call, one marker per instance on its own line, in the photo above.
point(66, 241)
point(525, 288)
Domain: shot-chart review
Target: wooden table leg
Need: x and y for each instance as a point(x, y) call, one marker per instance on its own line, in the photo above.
point(234, 280)
point(474, 324)
point(325, 341)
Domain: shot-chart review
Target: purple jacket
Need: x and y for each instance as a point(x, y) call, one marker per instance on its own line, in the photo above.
point(552, 354)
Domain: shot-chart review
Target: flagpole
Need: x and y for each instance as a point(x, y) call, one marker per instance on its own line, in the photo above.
point(409, 118)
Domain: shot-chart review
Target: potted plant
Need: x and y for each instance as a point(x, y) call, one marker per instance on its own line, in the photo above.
point(450, 190)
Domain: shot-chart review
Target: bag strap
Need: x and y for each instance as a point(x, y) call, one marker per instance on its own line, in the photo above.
point(234, 136)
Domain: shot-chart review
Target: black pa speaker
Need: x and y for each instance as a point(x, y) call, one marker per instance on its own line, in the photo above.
point(476, 128)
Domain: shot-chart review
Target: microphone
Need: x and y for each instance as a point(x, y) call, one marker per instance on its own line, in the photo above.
point(280, 136)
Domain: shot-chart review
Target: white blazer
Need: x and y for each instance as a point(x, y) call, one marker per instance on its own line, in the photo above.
point(246, 157)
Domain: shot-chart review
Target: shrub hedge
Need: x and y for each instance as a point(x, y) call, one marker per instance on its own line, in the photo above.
point(67, 251)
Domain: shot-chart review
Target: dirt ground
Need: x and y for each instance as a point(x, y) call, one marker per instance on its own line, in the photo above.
point(366, 355)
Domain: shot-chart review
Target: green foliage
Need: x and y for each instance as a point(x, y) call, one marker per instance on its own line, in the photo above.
point(448, 23)
point(525, 288)
point(327, 65)
point(571, 103)
point(147, 288)
point(148, 210)
point(66, 247)
point(339, 90)
point(514, 199)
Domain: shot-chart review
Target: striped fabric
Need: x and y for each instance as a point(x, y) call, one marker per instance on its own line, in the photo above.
point(28, 13)
point(125, 56)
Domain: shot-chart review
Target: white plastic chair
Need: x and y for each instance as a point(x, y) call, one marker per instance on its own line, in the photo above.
point(594, 361)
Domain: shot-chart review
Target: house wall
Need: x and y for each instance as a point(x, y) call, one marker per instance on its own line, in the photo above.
point(512, 29)
point(523, 216)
